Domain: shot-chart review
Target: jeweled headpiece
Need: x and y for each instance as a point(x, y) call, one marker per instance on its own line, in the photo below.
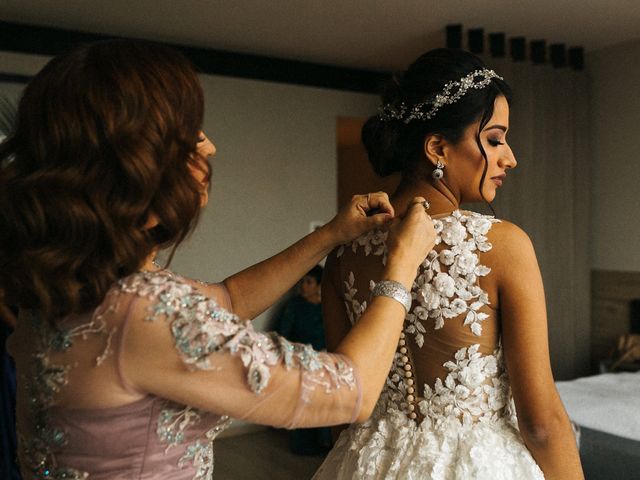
point(451, 93)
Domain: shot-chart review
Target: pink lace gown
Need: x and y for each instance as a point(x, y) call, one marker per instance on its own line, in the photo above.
point(80, 417)
point(446, 411)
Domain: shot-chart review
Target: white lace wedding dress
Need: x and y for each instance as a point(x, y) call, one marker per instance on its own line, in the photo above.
point(446, 411)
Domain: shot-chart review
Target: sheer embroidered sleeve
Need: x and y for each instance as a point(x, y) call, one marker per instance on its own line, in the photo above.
point(183, 345)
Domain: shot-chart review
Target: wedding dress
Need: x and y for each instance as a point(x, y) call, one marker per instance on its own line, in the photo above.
point(446, 411)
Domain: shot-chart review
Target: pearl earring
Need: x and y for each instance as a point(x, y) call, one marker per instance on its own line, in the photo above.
point(438, 172)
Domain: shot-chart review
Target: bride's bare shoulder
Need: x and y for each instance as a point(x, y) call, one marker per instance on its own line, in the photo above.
point(511, 247)
point(506, 231)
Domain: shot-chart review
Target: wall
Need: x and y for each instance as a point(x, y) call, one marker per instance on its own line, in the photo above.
point(274, 173)
point(615, 149)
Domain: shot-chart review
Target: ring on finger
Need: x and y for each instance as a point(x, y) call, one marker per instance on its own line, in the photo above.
point(425, 204)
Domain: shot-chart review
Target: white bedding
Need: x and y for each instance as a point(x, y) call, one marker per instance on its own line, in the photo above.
point(609, 402)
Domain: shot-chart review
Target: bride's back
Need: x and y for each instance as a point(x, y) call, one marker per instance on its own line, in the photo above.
point(448, 407)
point(449, 359)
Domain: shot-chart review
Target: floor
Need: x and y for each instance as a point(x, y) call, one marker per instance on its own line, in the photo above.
point(263, 455)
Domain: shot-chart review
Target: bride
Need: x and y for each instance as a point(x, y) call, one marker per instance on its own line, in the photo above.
point(449, 409)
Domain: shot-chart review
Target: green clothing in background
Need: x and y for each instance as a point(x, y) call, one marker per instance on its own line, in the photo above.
point(301, 322)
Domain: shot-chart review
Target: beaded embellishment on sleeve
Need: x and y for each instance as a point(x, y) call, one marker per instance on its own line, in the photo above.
point(201, 327)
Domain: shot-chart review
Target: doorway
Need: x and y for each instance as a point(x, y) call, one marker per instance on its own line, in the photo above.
point(355, 174)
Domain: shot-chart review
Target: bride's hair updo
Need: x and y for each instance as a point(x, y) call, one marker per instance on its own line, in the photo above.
point(396, 146)
point(103, 142)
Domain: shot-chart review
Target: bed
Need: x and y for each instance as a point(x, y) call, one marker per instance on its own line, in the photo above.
point(606, 407)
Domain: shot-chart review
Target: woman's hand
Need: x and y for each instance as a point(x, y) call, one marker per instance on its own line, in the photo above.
point(409, 242)
point(362, 214)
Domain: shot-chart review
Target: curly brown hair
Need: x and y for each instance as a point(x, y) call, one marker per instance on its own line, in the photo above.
point(105, 139)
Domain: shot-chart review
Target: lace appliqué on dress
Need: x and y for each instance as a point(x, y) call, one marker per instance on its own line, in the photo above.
point(201, 327)
point(172, 423)
point(354, 307)
point(467, 426)
point(476, 389)
point(447, 285)
point(373, 242)
point(48, 380)
point(447, 294)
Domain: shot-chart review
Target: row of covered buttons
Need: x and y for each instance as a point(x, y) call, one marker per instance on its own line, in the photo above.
point(408, 374)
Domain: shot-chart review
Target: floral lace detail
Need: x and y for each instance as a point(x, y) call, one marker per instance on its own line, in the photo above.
point(440, 294)
point(396, 388)
point(395, 391)
point(171, 426)
point(354, 307)
point(48, 380)
point(200, 327)
point(469, 430)
point(443, 295)
point(464, 424)
point(172, 423)
point(373, 242)
point(446, 287)
point(476, 389)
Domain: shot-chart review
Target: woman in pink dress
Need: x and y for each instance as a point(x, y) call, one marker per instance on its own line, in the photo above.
point(127, 370)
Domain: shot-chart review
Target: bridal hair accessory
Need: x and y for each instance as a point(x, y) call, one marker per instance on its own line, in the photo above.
point(438, 172)
point(393, 289)
point(451, 93)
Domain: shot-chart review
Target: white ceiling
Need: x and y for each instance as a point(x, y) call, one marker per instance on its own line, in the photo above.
point(370, 34)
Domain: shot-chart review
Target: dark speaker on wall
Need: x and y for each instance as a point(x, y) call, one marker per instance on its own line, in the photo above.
point(476, 40)
point(576, 58)
point(538, 51)
point(634, 307)
point(454, 36)
point(558, 55)
point(517, 45)
point(496, 45)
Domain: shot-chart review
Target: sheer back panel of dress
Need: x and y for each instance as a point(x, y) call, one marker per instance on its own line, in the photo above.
point(451, 312)
point(446, 410)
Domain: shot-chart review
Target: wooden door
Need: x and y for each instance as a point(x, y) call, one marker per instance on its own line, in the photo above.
point(355, 174)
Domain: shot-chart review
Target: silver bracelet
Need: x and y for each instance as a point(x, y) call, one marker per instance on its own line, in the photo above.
point(393, 289)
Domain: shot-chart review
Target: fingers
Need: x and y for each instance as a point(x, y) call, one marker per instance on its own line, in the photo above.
point(417, 215)
point(412, 238)
point(379, 220)
point(418, 207)
point(378, 201)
